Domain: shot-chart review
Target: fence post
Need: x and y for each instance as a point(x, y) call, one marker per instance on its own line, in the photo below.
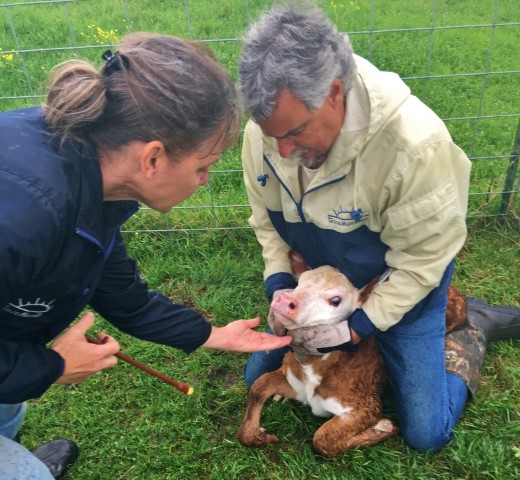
point(511, 173)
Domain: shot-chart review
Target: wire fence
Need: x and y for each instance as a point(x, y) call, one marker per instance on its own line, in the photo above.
point(478, 98)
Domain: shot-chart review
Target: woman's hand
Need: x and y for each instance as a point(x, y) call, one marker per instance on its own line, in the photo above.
point(239, 336)
point(83, 359)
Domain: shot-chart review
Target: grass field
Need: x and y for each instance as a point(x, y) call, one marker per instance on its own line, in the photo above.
point(132, 426)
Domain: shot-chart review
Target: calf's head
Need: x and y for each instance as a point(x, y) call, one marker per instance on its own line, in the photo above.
point(324, 296)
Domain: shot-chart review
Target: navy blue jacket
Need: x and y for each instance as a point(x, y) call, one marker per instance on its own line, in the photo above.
point(60, 251)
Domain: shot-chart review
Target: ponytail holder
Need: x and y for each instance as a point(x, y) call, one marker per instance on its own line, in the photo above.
point(114, 61)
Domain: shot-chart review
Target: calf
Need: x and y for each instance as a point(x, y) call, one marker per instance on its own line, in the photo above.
point(343, 385)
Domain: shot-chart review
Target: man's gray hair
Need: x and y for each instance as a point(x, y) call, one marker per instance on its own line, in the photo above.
point(298, 50)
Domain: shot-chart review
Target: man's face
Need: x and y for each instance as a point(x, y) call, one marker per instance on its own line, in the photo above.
point(303, 135)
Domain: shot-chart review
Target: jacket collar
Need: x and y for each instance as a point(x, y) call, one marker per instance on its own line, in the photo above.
point(96, 217)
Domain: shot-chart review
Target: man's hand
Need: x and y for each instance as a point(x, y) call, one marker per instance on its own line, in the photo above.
point(83, 359)
point(319, 340)
point(239, 336)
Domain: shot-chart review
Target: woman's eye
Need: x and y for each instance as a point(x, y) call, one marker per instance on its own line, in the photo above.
point(335, 301)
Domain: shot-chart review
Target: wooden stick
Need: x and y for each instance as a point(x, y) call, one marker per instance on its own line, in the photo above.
point(182, 387)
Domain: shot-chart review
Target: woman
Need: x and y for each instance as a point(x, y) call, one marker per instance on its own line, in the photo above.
point(145, 128)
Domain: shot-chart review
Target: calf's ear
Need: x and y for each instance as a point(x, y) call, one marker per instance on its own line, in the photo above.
point(298, 264)
point(367, 289)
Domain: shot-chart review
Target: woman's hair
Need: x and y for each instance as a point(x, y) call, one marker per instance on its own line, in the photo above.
point(298, 50)
point(155, 87)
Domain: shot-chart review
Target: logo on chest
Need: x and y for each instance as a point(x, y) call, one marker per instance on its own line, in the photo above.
point(345, 218)
point(29, 309)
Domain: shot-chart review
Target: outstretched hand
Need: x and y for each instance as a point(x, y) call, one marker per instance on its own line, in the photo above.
point(239, 336)
point(83, 359)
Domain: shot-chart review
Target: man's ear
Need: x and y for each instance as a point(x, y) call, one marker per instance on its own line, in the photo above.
point(336, 93)
point(152, 158)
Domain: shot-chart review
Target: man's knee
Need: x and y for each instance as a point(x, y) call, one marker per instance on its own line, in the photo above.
point(425, 441)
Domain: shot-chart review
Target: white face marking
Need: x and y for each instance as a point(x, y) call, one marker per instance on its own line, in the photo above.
point(321, 407)
point(324, 296)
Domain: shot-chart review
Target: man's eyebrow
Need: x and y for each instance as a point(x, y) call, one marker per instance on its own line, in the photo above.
point(294, 131)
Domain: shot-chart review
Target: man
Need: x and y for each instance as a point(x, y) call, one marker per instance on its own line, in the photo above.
point(344, 165)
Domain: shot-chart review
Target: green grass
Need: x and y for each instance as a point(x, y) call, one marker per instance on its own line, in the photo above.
point(130, 425)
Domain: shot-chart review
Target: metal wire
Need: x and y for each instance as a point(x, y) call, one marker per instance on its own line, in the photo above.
point(212, 206)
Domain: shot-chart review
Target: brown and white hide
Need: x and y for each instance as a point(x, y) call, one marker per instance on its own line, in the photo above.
point(343, 386)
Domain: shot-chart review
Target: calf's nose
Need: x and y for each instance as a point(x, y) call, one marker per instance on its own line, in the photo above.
point(286, 304)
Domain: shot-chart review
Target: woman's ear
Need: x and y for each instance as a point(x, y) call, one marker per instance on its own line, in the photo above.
point(152, 159)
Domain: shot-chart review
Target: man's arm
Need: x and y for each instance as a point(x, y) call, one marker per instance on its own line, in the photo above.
point(424, 227)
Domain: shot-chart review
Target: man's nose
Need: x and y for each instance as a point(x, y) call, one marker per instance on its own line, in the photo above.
point(286, 146)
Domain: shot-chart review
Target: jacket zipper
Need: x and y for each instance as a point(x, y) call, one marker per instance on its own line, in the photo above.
point(85, 289)
point(299, 205)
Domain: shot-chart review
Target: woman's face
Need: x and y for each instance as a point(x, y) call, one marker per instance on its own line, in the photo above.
point(180, 178)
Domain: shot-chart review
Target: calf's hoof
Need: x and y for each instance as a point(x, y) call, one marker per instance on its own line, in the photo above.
point(327, 449)
point(255, 437)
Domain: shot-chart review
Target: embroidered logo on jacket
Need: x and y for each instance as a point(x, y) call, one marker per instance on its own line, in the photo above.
point(346, 217)
point(33, 309)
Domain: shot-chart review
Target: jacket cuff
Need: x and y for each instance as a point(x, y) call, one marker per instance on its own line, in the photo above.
point(24, 383)
point(278, 281)
point(361, 324)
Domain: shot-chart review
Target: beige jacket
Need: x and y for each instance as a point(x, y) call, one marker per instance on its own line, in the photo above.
point(393, 174)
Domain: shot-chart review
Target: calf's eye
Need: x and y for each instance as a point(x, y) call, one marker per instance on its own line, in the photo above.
point(335, 301)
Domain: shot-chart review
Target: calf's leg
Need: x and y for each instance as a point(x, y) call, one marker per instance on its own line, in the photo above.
point(251, 434)
point(341, 433)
